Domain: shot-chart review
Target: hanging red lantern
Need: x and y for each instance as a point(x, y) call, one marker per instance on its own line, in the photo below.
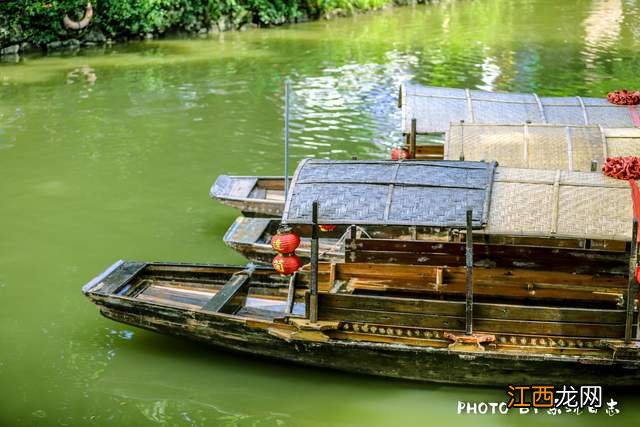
point(400, 153)
point(286, 264)
point(285, 240)
point(327, 227)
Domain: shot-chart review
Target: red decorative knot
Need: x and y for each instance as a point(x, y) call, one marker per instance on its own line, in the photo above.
point(327, 227)
point(285, 240)
point(627, 168)
point(286, 264)
point(400, 153)
point(624, 97)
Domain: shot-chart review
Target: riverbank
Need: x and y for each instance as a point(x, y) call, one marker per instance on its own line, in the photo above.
point(71, 24)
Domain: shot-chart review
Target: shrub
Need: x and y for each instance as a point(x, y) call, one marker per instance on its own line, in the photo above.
point(40, 22)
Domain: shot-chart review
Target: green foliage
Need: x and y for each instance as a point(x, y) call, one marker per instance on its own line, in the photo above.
point(40, 22)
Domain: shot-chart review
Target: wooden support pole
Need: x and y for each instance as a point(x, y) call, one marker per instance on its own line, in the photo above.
point(412, 140)
point(632, 289)
point(469, 263)
point(291, 293)
point(313, 296)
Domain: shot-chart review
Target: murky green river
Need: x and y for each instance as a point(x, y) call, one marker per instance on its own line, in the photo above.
point(109, 154)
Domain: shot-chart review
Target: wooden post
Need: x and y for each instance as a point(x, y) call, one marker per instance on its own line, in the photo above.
point(291, 293)
point(353, 230)
point(313, 295)
point(469, 259)
point(632, 288)
point(412, 140)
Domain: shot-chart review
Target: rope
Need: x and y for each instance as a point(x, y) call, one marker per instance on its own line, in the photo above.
point(341, 240)
point(624, 97)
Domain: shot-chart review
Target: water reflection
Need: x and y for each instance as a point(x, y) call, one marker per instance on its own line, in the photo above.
point(602, 28)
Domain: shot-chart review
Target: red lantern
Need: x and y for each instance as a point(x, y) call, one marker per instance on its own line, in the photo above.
point(286, 264)
point(400, 153)
point(327, 227)
point(285, 241)
point(638, 274)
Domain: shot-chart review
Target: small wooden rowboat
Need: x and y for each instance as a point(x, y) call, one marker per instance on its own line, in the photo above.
point(253, 195)
point(529, 326)
point(428, 109)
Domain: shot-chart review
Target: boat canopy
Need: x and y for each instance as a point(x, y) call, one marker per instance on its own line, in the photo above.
point(426, 193)
point(541, 146)
point(434, 108)
point(505, 201)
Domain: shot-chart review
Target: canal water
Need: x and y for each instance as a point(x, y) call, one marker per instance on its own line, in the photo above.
point(109, 154)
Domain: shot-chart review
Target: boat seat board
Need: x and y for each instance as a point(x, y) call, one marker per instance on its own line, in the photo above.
point(232, 296)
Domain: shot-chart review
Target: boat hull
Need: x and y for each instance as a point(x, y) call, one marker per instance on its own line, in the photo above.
point(439, 365)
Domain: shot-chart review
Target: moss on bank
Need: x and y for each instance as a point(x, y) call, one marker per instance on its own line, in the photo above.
point(39, 24)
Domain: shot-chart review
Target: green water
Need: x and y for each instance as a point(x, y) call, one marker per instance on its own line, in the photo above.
point(110, 154)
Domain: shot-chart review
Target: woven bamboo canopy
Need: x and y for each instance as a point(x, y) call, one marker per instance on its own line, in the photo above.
point(505, 201)
point(540, 146)
point(434, 108)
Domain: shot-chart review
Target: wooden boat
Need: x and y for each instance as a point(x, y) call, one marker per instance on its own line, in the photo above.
point(526, 326)
point(387, 245)
point(512, 205)
point(253, 195)
point(432, 109)
point(535, 146)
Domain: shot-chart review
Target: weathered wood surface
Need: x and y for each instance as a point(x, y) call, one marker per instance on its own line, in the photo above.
point(251, 237)
point(232, 296)
point(487, 318)
point(587, 261)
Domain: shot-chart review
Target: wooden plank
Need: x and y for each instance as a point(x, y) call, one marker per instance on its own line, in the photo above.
point(393, 319)
point(176, 294)
point(232, 296)
point(484, 325)
point(488, 276)
point(481, 310)
point(585, 261)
